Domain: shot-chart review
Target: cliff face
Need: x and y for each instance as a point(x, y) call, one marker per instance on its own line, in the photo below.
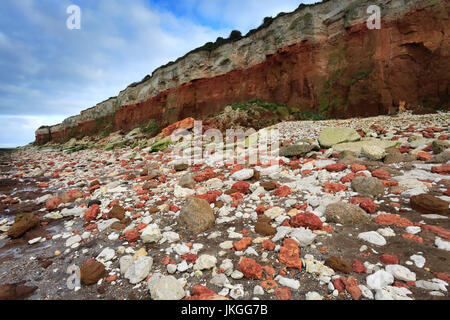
point(321, 57)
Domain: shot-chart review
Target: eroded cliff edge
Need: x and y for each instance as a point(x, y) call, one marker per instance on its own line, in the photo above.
point(320, 57)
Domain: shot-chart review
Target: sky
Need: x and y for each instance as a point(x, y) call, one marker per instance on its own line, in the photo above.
point(49, 72)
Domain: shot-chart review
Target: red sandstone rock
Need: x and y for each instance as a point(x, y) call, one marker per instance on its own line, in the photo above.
point(242, 187)
point(404, 149)
point(338, 284)
point(381, 174)
point(307, 220)
point(91, 213)
point(357, 167)
point(399, 284)
point(442, 276)
point(205, 175)
point(53, 203)
point(186, 124)
point(393, 219)
point(190, 257)
point(269, 270)
point(268, 245)
point(352, 287)
point(355, 200)
point(210, 196)
point(289, 254)
point(444, 169)
point(283, 293)
point(335, 187)
point(242, 244)
point(283, 191)
point(269, 284)
point(439, 231)
point(388, 259)
point(200, 293)
point(132, 235)
point(368, 205)
point(348, 178)
point(412, 237)
point(336, 167)
point(199, 290)
point(389, 183)
point(358, 267)
point(424, 156)
point(250, 268)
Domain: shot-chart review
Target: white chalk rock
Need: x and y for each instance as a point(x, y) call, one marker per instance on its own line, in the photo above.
point(373, 237)
point(400, 272)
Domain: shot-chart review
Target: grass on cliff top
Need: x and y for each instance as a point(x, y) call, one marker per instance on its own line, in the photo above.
point(149, 128)
point(283, 111)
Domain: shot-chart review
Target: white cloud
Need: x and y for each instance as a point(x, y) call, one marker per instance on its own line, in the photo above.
point(13, 129)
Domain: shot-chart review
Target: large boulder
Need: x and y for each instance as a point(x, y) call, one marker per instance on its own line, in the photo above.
point(185, 124)
point(428, 204)
point(295, 150)
point(373, 152)
point(92, 272)
point(338, 264)
point(368, 186)
point(440, 146)
point(442, 157)
point(196, 215)
point(357, 147)
point(22, 224)
point(181, 167)
point(187, 181)
point(16, 291)
point(117, 212)
point(346, 213)
point(332, 136)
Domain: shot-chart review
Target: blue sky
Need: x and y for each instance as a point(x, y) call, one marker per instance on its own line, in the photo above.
point(48, 72)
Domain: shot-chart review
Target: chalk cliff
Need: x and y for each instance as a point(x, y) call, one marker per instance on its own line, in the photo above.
point(320, 57)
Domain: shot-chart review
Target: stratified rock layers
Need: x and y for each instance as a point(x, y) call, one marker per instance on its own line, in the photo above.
point(328, 62)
